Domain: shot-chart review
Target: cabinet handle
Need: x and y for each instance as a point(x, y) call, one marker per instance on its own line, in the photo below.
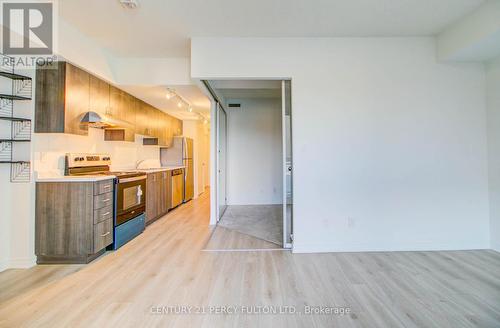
point(106, 200)
point(107, 233)
point(107, 187)
point(106, 213)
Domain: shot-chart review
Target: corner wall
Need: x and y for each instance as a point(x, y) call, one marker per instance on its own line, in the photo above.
point(493, 105)
point(390, 148)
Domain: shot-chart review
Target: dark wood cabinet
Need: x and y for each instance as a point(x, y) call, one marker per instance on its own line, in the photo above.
point(65, 93)
point(61, 99)
point(158, 195)
point(151, 198)
point(73, 221)
point(122, 108)
point(99, 95)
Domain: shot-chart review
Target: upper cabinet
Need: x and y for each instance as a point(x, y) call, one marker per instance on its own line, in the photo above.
point(61, 99)
point(122, 108)
point(65, 93)
point(99, 95)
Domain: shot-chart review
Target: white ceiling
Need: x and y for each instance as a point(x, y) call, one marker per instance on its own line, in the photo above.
point(160, 28)
point(156, 96)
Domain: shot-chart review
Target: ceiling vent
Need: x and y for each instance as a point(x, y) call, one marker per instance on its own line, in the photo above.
point(130, 4)
point(234, 106)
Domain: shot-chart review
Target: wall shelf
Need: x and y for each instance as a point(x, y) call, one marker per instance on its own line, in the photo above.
point(20, 128)
point(18, 119)
point(14, 162)
point(14, 76)
point(14, 97)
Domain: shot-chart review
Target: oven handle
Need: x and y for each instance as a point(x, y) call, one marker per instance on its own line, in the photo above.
point(142, 177)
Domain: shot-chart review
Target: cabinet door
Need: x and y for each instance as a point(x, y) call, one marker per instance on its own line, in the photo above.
point(122, 108)
point(140, 117)
point(153, 115)
point(164, 192)
point(151, 196)
point(177, 127)
point(99, 95)
point(162, 128)
point(76, 99)
point(130, 116)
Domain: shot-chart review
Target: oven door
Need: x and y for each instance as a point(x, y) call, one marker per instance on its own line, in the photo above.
point(130, 198)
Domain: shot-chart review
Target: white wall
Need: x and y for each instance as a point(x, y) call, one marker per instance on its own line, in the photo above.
point(382, 134)
point(254, 152)
point(493, 102)
point(17, 219)
point(50, 149)
point(198, 131)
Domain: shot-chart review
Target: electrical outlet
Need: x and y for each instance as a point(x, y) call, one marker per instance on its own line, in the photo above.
point(351, 222)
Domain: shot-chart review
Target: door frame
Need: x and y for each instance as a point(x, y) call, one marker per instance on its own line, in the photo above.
point(287, 239)
point(218, 109)
point(214, 167)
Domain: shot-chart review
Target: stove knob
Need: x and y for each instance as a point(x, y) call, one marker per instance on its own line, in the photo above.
point(77, 159)
point(82, 159)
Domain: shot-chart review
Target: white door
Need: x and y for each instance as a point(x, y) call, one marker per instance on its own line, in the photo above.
point(286, 98)
point(221, 161)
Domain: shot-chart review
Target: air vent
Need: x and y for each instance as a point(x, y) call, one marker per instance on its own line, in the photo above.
point(234, 106)
point(130, 4)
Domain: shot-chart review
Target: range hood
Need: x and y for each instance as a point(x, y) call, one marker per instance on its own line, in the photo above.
point(101, 121)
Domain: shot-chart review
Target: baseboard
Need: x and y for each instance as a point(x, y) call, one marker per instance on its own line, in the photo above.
point(22, 263)
point(336, 248)
point(3, 266)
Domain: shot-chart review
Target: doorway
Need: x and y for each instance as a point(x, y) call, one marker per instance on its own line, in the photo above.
point(254, 161)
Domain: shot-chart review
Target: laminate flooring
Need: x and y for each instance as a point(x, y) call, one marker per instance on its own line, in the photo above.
point(165, 270)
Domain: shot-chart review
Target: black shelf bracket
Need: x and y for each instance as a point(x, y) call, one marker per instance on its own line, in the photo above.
point(20, 128)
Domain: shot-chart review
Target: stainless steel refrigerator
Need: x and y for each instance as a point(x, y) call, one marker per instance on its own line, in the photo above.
point(181, 154)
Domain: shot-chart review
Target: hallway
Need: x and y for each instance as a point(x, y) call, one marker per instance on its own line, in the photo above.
point(165, 267)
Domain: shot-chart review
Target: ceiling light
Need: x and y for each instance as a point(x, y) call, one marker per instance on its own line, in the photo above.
point(205, 121)
point(179, 104)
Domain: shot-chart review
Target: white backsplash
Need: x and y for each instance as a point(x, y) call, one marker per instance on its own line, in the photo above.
point(50, 148)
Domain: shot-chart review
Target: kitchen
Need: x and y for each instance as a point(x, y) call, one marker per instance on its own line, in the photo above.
point(106, 165)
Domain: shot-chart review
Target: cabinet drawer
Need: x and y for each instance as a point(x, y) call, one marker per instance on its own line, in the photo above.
point(103, 234)
point(103, 213)
point(103, 200)
point(102, 187)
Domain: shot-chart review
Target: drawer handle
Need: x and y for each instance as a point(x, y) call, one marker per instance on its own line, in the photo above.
point(107, 233)
point(107, 187)
point(106, 200)
point(107, 213)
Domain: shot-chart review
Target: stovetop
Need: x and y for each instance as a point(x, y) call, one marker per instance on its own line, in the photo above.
point(78, 164)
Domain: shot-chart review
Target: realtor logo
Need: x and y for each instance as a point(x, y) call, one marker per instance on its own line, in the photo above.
point(28, 28)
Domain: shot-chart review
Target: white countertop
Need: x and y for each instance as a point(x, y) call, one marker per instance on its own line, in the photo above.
point(57, 177)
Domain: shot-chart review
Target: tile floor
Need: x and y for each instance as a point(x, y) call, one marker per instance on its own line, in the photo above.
point(260, 221)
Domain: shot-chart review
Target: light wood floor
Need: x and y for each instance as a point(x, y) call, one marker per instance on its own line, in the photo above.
point(166, 266)
point(224, 239)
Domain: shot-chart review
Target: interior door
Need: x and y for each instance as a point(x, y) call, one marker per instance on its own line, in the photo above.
point(286, 98)
point(221, 160)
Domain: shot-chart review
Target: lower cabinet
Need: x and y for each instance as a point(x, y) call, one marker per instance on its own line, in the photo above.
point(158, 195)
point(73, 221)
